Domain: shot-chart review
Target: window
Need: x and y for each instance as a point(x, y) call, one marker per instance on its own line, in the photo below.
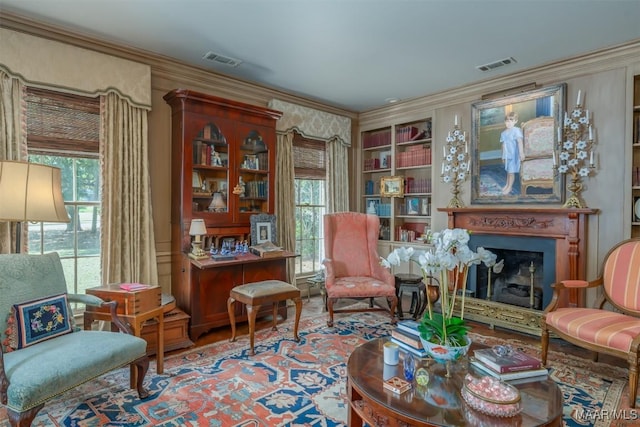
point(310, 185)
point(64, 131)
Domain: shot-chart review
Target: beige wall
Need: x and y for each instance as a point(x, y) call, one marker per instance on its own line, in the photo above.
point(603, 78)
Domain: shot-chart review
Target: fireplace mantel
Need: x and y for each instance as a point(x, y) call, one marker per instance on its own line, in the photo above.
point(567, 226)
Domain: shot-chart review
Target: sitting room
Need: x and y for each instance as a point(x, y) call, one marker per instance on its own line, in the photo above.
point(231, 214)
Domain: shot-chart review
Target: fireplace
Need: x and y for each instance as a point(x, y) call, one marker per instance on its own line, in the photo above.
point(528, 273)
point(554, 240)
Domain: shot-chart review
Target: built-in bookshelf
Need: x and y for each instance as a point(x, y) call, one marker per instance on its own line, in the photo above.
point(635, 165)
point(404, 151)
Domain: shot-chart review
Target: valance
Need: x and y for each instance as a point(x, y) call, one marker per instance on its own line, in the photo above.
point(50, 64)
point(312, 123)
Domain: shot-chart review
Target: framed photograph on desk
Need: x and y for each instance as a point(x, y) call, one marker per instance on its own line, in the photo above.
point(263, 229)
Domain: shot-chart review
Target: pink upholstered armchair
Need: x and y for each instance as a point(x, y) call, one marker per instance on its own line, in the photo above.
point(613, 331)
point(352, 263)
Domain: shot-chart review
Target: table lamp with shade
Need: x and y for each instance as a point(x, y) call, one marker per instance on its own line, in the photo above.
point(30, 192)
point(217, 203)
point(197, 229)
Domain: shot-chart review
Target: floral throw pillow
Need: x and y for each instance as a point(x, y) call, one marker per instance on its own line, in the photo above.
point(40, 320)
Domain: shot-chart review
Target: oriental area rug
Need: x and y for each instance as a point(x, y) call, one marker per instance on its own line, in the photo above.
point(295, 384)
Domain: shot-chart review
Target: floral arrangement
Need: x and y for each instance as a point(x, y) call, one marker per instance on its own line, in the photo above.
point(448, 260)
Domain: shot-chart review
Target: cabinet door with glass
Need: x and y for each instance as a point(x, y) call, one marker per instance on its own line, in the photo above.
point(256, 165)
point(210, 174)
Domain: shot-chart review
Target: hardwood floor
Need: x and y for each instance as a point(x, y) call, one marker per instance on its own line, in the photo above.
point(315, 307)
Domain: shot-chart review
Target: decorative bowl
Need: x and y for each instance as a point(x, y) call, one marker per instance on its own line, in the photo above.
point(443, 353)
point(491, 396)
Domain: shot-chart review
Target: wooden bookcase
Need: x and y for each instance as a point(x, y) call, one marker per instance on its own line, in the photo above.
point(218, 145)
point(399, 150)
point(635, 166)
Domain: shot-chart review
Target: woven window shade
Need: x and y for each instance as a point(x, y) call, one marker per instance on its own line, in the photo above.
point(62, 123)
point(309, 157)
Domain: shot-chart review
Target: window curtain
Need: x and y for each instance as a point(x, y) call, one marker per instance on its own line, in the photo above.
point(285, 198)
point(335, 130)
point(127, 239)
point(337, 176)
point(13, 145)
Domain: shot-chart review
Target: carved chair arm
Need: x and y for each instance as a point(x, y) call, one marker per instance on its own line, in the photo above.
point(4, 381)
point(564, 285)
point(92, 300)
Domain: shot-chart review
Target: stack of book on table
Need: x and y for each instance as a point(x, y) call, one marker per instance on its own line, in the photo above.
point(515, 365)
point(407, 336)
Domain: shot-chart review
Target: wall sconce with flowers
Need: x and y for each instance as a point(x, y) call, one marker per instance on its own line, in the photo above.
point(574, 151)
point(455, 163)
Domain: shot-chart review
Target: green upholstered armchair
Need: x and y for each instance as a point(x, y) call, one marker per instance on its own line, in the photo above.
point(41, 355)
point(613, 325)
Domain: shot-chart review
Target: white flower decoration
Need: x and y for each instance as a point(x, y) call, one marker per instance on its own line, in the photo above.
point(461, 157)
point(567, 121)
point(574, 126)
point(573, 162)
point(449, 158)
point(446, 179)
point(461, 176)
point(563, 168)
point(577, 112)
point(450, 139)
point(461, 137)
point(580, 145)
point(568, 145)
point(584, 172)
point(582, 154)
point(453, 150)
point(447, 168)
point(583, 120)
point(456, 132)
point(564, 155)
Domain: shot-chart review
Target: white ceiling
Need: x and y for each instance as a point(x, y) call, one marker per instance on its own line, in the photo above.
point(352, 54)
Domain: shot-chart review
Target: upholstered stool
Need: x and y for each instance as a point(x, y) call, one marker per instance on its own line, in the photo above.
point(413, 283)
point(253, 295)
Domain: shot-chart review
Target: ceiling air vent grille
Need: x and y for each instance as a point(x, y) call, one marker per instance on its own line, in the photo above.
point(226, 60)
point(496, 64)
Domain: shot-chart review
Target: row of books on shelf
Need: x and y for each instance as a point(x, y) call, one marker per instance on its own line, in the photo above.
point(257, 189)
point(376, 139)
point(414, 156)
point(515, 365)
point(417, 185)
point(374, 164)
point(206, 154)
point(635, 176)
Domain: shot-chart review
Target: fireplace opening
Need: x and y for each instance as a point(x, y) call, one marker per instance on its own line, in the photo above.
point(529, 264)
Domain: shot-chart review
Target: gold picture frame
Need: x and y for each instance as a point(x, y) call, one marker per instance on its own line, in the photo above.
point(392, 186)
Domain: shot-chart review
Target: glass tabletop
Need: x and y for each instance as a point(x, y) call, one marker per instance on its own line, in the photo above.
point(440, 403)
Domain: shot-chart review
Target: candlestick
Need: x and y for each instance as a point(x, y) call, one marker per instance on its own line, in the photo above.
point(554, 157)
point(559, 134)
point(444, 151)
point(590, 133)
point(455, 121)
point(578, 100)
point(442, 169)
point(586, 115)
point(591, 157)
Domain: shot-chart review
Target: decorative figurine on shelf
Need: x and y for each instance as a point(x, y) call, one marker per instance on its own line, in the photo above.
point(215, 158)
point(372, 208)
point(240, 188)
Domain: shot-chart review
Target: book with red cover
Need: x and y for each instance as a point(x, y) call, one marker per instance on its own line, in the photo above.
point(513, 362)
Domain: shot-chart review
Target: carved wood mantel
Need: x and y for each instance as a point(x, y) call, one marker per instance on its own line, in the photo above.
point(567, 226)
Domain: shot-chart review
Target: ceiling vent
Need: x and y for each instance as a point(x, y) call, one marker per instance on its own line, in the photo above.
point(226, 60)
point(496, 64)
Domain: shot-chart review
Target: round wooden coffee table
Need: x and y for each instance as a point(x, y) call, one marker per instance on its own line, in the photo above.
point(439, 403)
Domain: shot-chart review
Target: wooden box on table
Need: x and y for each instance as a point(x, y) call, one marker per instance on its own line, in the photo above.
point(130, 303)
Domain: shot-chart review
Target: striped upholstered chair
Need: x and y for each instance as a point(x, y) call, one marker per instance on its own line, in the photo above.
point(613, 326)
